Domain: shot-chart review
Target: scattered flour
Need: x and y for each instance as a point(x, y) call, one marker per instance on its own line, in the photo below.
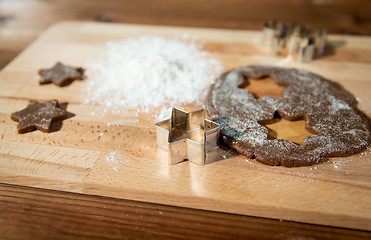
point(124, 120)
point(165, 113)
point(115, 160)
point(148, 72)
point(112, 157)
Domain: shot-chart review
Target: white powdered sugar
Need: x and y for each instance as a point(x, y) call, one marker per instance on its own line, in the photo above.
point(149, 72)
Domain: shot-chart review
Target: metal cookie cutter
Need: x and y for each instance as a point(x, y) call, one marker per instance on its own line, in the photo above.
point(304, 44)
point(300, 42)
point(188, 135)
point(302, 49)
point(274, 35)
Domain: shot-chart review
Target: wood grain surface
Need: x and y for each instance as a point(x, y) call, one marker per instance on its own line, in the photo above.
point(21, 21)
point(30, 213)
point(74, 158)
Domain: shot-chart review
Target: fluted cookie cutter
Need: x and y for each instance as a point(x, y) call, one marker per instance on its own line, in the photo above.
point(274, 35)
point(298, 41)
point(188, 135)
point(302, 49)
point(304, 44)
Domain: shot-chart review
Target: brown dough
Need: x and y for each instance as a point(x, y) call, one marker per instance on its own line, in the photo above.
point(38, 116)
point(61, 74)
point(329, 110)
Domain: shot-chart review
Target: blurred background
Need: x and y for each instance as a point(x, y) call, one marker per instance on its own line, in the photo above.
point(22, 21)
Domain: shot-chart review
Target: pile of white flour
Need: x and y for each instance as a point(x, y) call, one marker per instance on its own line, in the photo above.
point(148, 72)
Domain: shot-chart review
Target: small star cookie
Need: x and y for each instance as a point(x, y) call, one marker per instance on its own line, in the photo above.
point(38, 116)
point(61, 74)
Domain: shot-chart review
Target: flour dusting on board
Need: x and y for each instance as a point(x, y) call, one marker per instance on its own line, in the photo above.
point(148, 72)
point(115, 160)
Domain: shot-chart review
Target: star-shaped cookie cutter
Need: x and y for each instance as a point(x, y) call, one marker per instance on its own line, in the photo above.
point(188, 135)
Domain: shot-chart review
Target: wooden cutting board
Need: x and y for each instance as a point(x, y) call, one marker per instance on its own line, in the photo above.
point(89, 155)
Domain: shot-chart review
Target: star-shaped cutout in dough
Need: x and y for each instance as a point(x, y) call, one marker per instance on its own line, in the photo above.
point(38, 116)
point(188, 135)
point(61, 74)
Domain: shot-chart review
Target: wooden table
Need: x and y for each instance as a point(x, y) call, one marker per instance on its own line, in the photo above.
point(39, 213)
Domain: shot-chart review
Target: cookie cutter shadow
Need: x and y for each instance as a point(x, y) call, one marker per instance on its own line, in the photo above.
point(103, 18)
point(331, 47)
point(224, 152)
point(58, 123)
point(70, 81)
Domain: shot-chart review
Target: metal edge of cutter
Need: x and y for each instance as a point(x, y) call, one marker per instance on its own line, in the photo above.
point(188, 135)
